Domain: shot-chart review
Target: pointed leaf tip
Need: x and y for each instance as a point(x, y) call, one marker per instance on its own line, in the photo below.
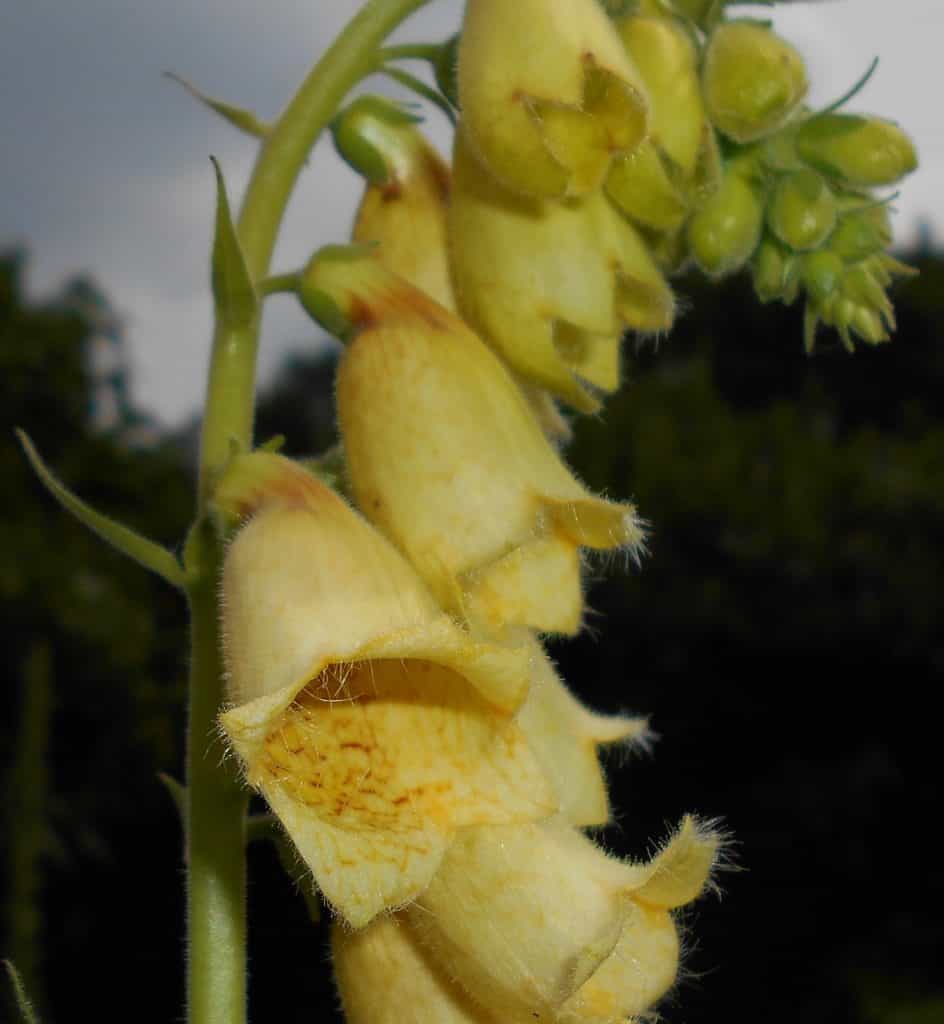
point(233, 293)
point(144, 551)
point(245, 120)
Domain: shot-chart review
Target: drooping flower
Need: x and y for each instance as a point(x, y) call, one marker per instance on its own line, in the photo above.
point(338, 660)
point(404, 211)
point(536, 923)
point(551, 286)
point(445, 456)
point(548, 94)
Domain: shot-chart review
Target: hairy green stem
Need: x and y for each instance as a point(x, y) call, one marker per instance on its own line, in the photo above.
point(278, 283)
point(353, 56)
point(216, 818)
point(412, 51)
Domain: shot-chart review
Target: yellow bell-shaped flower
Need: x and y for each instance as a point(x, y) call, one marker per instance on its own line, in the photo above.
point(548, 94)
point(374, 727)
point(551, 286)
point(446, 457)
point(384, 976)
point(404, 211)
point(535, 922)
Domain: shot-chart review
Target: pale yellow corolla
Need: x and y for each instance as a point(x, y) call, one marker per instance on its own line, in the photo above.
point(375, 728)
point(445, 456)
point(551, 286)
point(404, 212)
point(548, 94)
point(535, 922)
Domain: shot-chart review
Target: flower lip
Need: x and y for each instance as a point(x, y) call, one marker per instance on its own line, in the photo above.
point(548, 94)
point(337, 658)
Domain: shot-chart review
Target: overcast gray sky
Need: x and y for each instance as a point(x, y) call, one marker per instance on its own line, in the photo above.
point(105, 170)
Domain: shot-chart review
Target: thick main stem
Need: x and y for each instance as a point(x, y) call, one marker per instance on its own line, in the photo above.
point(216, 814)
point(216, 914)
point(229, 410)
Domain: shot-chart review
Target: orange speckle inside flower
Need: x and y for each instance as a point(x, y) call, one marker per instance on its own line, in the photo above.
point(385, 745)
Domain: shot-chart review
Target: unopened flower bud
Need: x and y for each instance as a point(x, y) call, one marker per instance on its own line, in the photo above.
point(850, 297)
point(822, 272)
point(404, 205)
point(535, 922)
point(802, 210)
point(641, 188)
point(861, 151)
point(752, 80)
point(446, 69)
point(337, 659)
point(483, 505)
point(773, 269)
point(551, 286)
point(724, 233)
point(548, 94)
point(667, 59)
point(863, 229)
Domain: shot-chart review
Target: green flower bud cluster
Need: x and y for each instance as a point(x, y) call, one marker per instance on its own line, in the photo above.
point(714, 87)
point(736, 172)
point(844, 279)
point(824, 233)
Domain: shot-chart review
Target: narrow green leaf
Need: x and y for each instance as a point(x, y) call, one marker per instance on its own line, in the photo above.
point(144, 551)
point(178, 793)
point(27, 1014)
point(233, 292)
point(245, 120)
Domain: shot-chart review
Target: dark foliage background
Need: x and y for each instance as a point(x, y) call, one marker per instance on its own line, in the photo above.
point(785, 635)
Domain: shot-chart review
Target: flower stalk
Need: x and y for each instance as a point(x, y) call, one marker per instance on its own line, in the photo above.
point(216, 913)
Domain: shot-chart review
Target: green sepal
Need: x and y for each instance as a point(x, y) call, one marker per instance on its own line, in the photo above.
point(367, 134)
point(446, 69)
point(144, 551)
point(330, 469)
point(234, 296)
point(245, 120)
point(28, 1014)
point(329, 280)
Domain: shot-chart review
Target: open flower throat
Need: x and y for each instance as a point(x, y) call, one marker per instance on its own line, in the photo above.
point(346, 749)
